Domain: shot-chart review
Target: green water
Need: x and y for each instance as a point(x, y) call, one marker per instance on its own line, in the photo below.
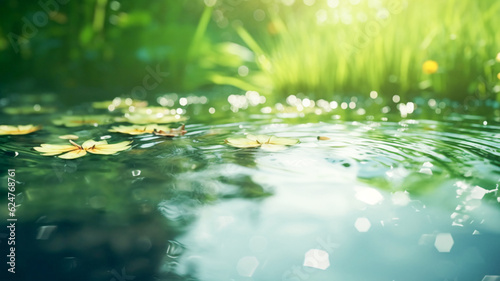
point(384, 198)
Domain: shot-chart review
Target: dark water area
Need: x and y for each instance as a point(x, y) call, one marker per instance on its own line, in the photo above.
point(371, 192)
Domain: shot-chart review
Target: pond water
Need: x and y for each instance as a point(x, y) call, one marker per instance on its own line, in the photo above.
point(386, 198)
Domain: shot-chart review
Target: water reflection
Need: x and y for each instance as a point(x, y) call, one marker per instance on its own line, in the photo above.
point(325, 220)
point(371, 200)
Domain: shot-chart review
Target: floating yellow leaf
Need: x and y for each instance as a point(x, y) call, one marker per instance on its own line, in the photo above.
point(171, 132)
point(82, 120)
point(139, 129)
point(263, 141)
point(323, 138)
point(146, 118)
point(430, 67)
point(75, 151)
point(69, 137)
point(18, 130)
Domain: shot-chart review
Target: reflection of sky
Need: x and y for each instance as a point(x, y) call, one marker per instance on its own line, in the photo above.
point(270, 239)
point(324, 222)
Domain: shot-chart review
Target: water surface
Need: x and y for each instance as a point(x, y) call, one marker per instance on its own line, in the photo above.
point(379, 199)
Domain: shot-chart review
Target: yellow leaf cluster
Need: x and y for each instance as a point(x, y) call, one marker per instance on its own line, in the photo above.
point(75, 151)
point(18, 130)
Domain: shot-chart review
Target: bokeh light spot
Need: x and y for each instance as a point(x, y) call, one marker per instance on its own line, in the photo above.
point(362, 224)
point(444, 242)
point(316, 258)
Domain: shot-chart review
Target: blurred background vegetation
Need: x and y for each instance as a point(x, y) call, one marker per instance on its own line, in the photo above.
point(99, 49)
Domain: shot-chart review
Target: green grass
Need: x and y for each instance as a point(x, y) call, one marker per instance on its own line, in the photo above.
point(385, 52)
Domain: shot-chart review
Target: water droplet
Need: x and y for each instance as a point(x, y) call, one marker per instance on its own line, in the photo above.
point(136, 173)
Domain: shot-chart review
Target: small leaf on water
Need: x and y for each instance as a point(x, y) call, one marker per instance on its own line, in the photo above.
point(264, 141)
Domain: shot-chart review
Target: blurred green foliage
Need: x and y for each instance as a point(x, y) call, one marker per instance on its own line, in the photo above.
point(325, 48)
point(319, 48)
point(114, 46)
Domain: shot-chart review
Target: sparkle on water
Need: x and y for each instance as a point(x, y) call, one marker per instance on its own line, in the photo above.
point(378, 197)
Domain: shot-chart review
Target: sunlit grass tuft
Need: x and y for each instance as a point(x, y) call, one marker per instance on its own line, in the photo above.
point(338, 48)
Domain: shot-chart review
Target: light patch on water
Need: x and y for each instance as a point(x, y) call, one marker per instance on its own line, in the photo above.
point(444, 242)
point(478, 192)
point(362, 224)
point(397, 174)
point(45, 231)
point(491, 278)
point(149, 138)
point(426, 171)
point(368, 195)
point(400, 198)
point(317, 258)
point(427, 165)
point(151, 144)
point(320, 192)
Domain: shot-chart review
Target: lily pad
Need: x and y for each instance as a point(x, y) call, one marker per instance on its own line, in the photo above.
point(264, 141)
